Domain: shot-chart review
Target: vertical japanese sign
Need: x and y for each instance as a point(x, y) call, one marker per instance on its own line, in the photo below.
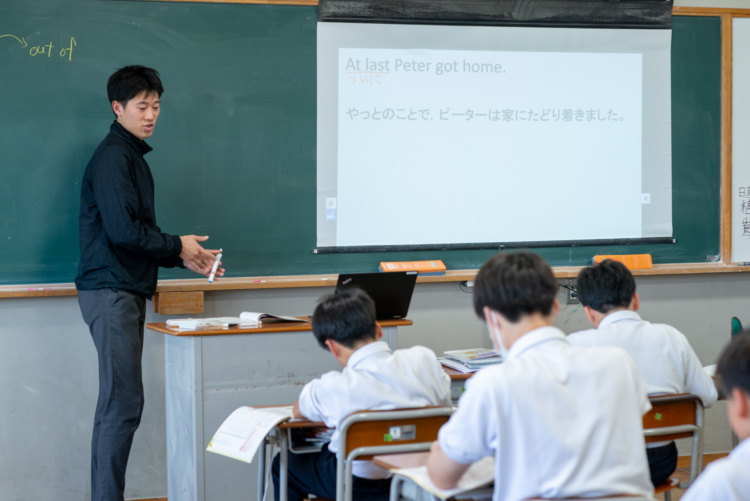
point(741, 220)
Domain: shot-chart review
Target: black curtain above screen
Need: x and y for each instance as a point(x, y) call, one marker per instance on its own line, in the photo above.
point(641, 14)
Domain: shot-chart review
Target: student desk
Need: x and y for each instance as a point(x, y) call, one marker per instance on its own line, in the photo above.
point(424, 427)
point(209, 373)
point(284, 433)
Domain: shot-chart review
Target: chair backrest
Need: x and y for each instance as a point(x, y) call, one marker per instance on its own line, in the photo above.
point(367, 433)
point(736, 326)
point(673, 417)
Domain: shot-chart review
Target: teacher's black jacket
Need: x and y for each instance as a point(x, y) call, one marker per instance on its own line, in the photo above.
point(121, 245)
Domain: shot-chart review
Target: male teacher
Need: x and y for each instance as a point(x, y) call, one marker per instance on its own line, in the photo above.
point(121, 249)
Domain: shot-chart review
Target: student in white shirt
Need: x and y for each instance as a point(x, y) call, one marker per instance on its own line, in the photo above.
point(561, 421)
point(373, 378)
point(663, 355)
point(728, 479)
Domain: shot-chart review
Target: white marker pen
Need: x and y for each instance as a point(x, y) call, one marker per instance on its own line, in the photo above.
point(214, 267)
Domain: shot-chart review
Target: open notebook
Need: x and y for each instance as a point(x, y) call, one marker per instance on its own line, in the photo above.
point(242, 433)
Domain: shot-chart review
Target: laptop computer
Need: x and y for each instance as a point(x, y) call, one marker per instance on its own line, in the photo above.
point(391, 291)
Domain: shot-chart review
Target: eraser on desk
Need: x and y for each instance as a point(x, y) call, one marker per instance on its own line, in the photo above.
point(435, 267)
point(631, 261)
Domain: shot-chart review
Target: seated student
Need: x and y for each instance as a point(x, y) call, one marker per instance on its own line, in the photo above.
point(560, 420)
point(662, 353)
point(728, 479)
point(373, 378)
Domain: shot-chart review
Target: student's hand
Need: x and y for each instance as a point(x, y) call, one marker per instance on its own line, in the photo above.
point(195, 257)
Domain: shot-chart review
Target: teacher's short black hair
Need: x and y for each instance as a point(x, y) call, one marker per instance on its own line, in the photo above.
point(734, 364)
point(129, 81)
point(605, 286)
point(515, 284)
point(347, 317)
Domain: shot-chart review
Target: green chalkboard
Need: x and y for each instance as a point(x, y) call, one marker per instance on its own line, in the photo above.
point(234, 149)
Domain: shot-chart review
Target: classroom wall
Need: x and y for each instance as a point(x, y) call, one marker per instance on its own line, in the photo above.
point(49, 382)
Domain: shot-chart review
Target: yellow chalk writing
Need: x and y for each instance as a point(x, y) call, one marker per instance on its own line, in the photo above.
point(46, 50)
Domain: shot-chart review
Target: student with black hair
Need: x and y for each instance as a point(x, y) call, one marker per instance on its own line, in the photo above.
point(728, 479)
point(121, 249)
point(663, 355)
point(561, 421)
point(373, 378)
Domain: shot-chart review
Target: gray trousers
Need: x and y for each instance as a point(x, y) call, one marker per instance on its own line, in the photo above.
point(116, 319)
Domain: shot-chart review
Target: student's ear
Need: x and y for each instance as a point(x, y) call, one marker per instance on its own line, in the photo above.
point(332, 347)
point(635, 303)
point(378, 332)
point(741, 403)
point(555, 307)
point(491, 317)
point(590, 314)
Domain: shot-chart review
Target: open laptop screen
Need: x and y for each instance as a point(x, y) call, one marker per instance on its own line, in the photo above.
point(391, 291)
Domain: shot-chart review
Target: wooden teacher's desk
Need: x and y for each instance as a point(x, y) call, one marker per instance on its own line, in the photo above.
point(210, 373)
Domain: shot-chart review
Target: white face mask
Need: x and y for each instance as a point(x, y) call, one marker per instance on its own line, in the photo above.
point(497, 341)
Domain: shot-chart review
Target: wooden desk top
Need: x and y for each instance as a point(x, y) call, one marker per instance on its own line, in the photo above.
point(456, 375)
point(267, 328)
point(294, 423)
point(301, 423)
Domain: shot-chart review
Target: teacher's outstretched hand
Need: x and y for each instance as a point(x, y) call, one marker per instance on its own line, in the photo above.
point(195, 257)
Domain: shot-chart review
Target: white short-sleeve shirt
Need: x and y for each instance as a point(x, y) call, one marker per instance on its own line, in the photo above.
point(559, 420)
point(726, 479)
point(375, 378)
point(663, 355)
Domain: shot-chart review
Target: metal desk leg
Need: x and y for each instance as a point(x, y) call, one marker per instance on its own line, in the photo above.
point(284, 464)
point(396, 488)
point(262, 468)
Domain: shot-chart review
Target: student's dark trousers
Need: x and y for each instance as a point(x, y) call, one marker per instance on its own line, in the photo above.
point(116, 319)
point(662, 462)
point(315, 473)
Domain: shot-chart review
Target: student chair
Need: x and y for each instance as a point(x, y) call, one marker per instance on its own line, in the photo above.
point(367, 433)
point(673, 417)
point(736, 326)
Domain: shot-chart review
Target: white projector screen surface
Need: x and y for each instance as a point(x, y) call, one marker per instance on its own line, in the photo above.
point(451, 135)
